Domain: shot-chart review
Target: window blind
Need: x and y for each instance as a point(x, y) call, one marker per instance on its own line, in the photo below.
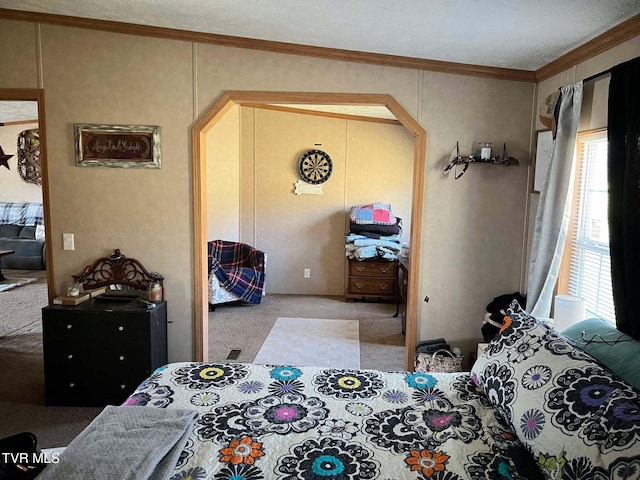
point(589, 271)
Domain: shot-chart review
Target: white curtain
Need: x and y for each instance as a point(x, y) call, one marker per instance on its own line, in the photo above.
point(552, 218)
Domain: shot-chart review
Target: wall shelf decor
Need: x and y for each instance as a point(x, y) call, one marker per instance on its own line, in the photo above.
point(4, 159)
point(503, 160)
point(29, 156)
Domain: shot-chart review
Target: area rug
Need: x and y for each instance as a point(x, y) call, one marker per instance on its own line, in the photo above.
point(10, 283)
point(312, 342)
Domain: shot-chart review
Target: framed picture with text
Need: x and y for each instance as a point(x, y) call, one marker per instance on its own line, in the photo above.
point(119, 146)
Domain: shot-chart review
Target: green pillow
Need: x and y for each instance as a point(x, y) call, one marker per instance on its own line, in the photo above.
point(621, 357)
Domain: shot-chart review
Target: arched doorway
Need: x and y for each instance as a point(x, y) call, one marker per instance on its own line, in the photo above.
point(217, 111)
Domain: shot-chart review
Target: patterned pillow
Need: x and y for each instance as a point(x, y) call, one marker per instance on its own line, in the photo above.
point(577, 418)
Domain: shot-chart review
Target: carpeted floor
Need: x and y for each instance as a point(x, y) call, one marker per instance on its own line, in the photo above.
point(11, 283)
point(22, 406)
point(20, 308)
point(244, 327)
point(22, 370)
point(311, 342)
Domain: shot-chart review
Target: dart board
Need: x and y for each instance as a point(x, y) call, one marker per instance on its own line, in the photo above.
point(315, 167)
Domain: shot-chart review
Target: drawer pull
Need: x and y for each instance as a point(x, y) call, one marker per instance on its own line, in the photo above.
point(384, 269)
point(71, 385)
point(69, 325)
point(384, 286)
point(121, 328)
point(121, 357)
point(69, 357)
point(359, 285)
point(360, 268)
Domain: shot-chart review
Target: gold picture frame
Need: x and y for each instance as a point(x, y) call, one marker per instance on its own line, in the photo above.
point(117, 146)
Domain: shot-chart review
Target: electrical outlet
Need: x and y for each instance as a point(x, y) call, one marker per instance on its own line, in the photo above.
point(307, 273)
point(68, 242)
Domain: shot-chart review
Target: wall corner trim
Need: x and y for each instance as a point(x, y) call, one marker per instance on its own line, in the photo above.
point(603, 42)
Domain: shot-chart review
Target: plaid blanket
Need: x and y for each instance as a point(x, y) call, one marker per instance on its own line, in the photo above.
point(21, 213)
point(372, 214)
point(239, 268)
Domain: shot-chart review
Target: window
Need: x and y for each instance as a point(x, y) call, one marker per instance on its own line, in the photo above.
point(586, 269)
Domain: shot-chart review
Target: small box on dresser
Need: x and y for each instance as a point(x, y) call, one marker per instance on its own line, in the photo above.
point(97, 353)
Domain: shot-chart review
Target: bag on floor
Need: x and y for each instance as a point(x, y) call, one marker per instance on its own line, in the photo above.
point(430, 346)
point(19, 456)
point(440, 361)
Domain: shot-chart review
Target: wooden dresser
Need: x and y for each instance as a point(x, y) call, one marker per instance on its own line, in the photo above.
point(98, 353)
point(372, 280)
point(403, 292)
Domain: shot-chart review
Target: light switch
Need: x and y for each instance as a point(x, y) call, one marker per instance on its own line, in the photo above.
point(68, 242)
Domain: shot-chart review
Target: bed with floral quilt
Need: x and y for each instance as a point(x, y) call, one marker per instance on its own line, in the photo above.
point(533, 406)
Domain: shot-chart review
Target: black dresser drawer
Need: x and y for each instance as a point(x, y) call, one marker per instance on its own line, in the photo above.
point(98, 353)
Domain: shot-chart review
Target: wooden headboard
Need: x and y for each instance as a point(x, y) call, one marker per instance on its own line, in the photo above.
point(117, 270)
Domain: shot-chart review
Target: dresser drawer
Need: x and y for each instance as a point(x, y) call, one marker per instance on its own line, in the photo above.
point(78, 389)
point(372, 269)
point(98, 353)
point(372, 286)
point(76, 327)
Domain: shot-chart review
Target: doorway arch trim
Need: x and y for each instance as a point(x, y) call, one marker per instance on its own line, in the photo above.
point(199, 165)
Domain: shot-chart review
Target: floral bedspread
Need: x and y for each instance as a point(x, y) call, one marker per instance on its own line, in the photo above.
point(283, 422)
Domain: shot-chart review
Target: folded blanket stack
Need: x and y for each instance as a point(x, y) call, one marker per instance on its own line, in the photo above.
point(375, 233)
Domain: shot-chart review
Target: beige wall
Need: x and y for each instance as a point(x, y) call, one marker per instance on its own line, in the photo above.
point(473, 227)
point(380, 168)
point(18, 55)
point(105, 78)
point(371, 162)
point(223, 178)
point(12, 187)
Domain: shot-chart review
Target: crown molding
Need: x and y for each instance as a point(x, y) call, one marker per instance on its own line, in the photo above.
point(271, 46)
point(603, 42)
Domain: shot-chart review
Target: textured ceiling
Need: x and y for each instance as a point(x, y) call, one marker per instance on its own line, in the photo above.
point(501, 33)
point(18, 111)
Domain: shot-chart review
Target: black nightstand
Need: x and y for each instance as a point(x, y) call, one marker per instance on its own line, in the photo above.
point(97, 353)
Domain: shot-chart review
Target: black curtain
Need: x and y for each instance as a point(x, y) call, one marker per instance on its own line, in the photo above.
point(624, 194)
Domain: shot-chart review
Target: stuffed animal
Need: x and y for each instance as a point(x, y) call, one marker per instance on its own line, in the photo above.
point(496, 310)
